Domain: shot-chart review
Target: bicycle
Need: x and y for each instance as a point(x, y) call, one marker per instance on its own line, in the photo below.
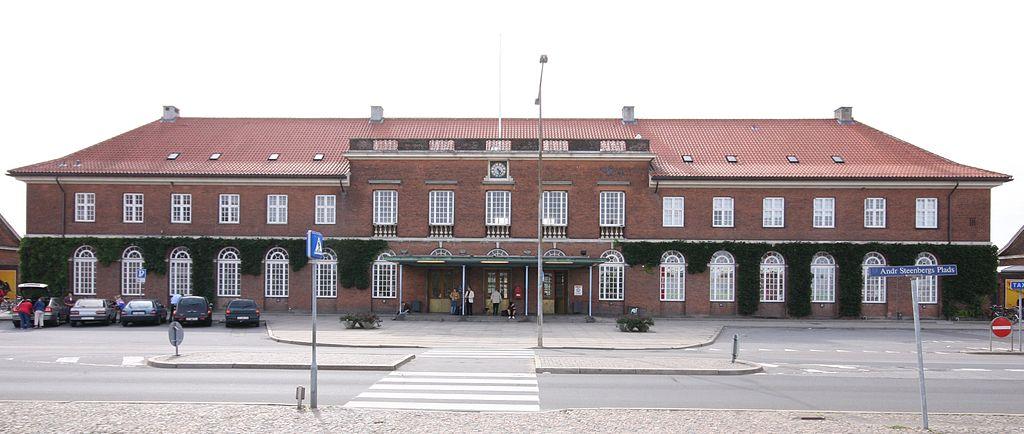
point(1005, 312)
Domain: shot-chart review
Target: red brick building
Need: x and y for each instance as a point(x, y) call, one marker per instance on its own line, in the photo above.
point(1011, 268)
point(457, 202)
point(9, 241)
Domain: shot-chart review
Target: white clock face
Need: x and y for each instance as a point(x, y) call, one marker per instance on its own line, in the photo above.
point(498, 169)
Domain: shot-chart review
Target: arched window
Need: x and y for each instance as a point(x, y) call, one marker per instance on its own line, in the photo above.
point(441, 252)
point(276, 273)
point(673, 276)
point(927, 287)
point(874, 287)
point(385, 277)
point(823, 278)
point(83, 281)
point(325, 275)
point(497, 252)
point(179, 273)
point(228, 280)
point(131, 263)
point(610, 283)
point(554, 252)
point(773, 278)
point(723, 276)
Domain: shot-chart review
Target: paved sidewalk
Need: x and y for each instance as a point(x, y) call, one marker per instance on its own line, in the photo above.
point(644, 366)
point(263, 360)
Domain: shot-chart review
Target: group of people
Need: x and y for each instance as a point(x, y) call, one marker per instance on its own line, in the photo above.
point(471, 297)
point(31, 312)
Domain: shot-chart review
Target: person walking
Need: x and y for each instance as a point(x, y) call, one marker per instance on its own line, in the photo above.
point(495, 302)
point(454, 295)
point(120, 303)
point(39, 307)
point(174, 305)
point(25, 313)
point(470, 295)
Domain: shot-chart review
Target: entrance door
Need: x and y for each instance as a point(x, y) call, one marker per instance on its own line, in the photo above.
point(555, 288)
point(497, 280)
point(440, 282)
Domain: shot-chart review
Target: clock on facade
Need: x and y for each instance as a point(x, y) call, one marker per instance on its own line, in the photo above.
point(499, 169)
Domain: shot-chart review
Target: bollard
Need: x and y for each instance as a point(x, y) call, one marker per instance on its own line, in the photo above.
point(735, 346)
point(300, 394)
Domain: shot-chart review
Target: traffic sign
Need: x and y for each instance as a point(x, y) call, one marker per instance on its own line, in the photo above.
point(913, 270)
point(175, 334)
point(140, 276)
point(1017, 285)
point(1001, 327)
point(314, 245)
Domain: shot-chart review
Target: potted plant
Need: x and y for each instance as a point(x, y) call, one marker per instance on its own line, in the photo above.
point(361, 320)
point(634, 323)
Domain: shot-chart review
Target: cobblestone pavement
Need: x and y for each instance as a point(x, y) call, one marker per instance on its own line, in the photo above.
point(76, 417)
point(643, 365)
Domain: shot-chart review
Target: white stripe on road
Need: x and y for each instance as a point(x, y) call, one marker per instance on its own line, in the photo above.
point(972, 370)
point(714, 349)
point(789, 350)
point(457, 380)
point(132, 361)
point(836, 366)
point(467, 356)
point(379, 386)
point(454, 406)
point(768, 365)
point(817, 351)
point(1015, 370)
point(842, 351)
point(68, 360)
point(459, 374)
point(452, 396)
point(891, 352)
point(763, 349)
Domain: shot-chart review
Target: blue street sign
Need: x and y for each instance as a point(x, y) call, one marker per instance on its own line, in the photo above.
point(1019, 285)
point(913, 271)
point(314, 245)
point(141, 275)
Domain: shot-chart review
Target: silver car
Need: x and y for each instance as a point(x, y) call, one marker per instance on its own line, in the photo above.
point(93, 310)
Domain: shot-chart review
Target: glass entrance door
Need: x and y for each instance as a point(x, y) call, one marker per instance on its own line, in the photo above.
point(496, 280)
point(555, 283)
point(440, 282)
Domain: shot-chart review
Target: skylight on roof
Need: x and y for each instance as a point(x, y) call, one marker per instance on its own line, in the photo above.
point(273, 157)
point(688, 158)
point(732, 159)
point(837, 159)
point(792, 159)
point(173, 156)
point(215, 156)
point(318, 157)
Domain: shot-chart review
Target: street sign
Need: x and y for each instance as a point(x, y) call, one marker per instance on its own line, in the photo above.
point(1017, 285)
point(314, 245)
point(140, 276)
point(1001, 327)
point(175, 334)
point(913, 270)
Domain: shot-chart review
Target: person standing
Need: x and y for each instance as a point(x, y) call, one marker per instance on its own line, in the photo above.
point(454, 295)
point(25, 313)
point(495, 302)
point(174, 304)
point(39, 308)
point(69, 301)
point(470, 295)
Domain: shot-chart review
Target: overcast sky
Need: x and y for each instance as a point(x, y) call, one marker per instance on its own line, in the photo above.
point(944, 76)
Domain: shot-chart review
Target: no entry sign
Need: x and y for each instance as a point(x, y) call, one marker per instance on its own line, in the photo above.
point(1001, 327)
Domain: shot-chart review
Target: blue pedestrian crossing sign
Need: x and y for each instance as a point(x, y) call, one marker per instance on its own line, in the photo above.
point(314, 245)
point(140, 276)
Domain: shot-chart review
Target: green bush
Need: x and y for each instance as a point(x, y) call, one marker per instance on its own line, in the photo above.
point(361, 320)
point(635, 323)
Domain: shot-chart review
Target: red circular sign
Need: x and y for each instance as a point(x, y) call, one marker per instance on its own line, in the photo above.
point(1001, 327)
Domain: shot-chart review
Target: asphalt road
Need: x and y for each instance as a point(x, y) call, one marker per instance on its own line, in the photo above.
point(806, 369)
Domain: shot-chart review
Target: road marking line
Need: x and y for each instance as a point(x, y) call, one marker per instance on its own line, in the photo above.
point(842, 351)
point(467, 356)
point(444, 396)
point(891, 352)
point(455, 406)
point(763, 349)
point(133, 361)
point(459, 374)
point(68, 360)
point(689, 349)
point(1015, 370)
point(940, 352)
point(769, 365)
point(836, 366)
point(869, 351)
point(789, 350)
point(379, 386)
point(714, 349)
point(457, 380)
point(817, 351)
point(972, 370)
point(816, 371)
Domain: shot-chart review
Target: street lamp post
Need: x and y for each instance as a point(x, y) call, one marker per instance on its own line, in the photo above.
point(540, 205)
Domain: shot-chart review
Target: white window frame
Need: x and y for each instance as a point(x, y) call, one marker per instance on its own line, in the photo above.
point(385, 207)
point(179, 272)
point(611, 284)
point(498, 205)
point(325, 212)
point(229, 264)
point(824, 212)
point(612, 209)
point(325, 275)
point(181, 208)
point(133, 208)
point(673, 276)
point(85, 207)
point(556, 208)
point(276, 273)
point(385, 277)
point(723, 277)
point(230, 209)
point(442, 208)
point(823, 278)
point(277, 209)
point(927, 213)
point(927, 287)
point(723, 212)
point(874, 289)
point(874, 212)
point(773, 278)
point(673, 211)
point(131, 262)
point(83, 281)
point(773, 212)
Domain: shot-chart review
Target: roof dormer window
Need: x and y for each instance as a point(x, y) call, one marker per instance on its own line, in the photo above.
point(273, 157)
point(687, 158)
point(173, 156)
point(731, 159)
point(792, 159)
point(838, 159)
point(215, 156)
point(318, 157)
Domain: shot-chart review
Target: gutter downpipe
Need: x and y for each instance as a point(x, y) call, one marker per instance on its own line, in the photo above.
point(949, 214)
point(63, 208)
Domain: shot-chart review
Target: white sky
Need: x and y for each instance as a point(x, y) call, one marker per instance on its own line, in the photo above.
point(944, 76)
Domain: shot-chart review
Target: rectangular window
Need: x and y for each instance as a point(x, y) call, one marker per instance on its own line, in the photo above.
point(133, 207)
point(325, 209)
point(85, 207)
point(556, 212)
point(722, 213)
point(277, 209)
point(824, 212)
point(927, 213)
point(874, 212)
point(723, 286)
point(276, 281)
point(228, 282)
point(773, 212)
point(181, 208)
point(610, 284)
point(442, 208)
point(385, 274)
point(130, 284)
point(84, 282)
point(613, 209)
point(499, 208)
point(672, 212)
point(325, 278)
point(673, 281)
point(385, 207)
point(823, 283)
point(179, 277)
point(773, 283)
point(230, 208)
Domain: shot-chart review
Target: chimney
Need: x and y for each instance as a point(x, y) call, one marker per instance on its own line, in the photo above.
point(376, 114)
point(628, 116)
point(170, 114)
point(844, 115)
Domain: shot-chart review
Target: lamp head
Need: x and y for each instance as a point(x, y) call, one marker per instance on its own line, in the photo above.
point(543, 58)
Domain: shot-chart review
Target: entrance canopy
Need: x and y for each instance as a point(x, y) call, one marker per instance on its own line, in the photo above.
point(550, 262)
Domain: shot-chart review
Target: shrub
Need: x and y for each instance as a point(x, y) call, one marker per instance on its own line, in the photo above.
point(361, 320)
point(635, 323)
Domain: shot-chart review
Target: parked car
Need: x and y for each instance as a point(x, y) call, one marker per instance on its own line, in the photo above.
point(97, 310)
point(242, 311)
point(194, 310)
point(143, 311)
point(54, 315)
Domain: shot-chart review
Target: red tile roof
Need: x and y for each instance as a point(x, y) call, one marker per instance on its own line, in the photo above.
point(761, 147)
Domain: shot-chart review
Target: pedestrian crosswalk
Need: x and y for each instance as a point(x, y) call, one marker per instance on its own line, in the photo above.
point(452, 391)
point(99, 361)
point(478, 353)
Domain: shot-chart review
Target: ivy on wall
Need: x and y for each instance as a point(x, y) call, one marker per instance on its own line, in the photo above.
point(965, 292)
point(46, 260)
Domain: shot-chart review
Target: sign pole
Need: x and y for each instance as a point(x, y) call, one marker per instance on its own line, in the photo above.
point(314, 250)
point(920, 356)
point(312, 366)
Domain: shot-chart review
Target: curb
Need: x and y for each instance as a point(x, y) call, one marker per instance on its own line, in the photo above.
point(751, 368)
point(166, 363)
